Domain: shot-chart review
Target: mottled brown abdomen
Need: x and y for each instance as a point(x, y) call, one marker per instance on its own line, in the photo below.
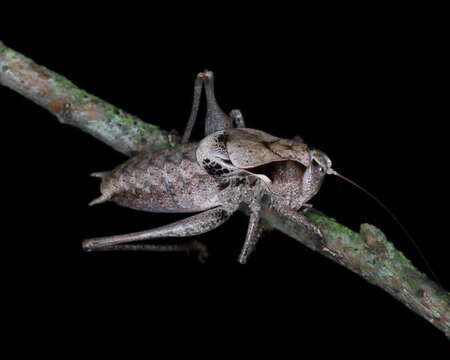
point(168, 180)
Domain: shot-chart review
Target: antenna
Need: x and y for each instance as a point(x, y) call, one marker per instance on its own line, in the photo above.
point(378, 201)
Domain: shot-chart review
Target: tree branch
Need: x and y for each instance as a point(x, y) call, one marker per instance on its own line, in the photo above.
point(71, 105)
point(367, 253)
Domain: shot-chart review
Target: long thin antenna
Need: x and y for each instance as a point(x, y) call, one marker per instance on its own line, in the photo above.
point(408, 235)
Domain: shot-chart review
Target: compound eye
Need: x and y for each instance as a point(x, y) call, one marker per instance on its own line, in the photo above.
point(319, 167)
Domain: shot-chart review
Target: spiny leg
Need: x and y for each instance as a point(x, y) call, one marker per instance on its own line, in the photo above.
point(189, 246)
point(195, 104)
point(193, 225)
point(301, 219)
point(254, 232)
point(216, 119)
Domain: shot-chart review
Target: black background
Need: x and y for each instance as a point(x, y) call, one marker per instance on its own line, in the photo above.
point(368, 94)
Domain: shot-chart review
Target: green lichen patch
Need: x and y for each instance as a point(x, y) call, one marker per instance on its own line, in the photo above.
point(391, 262)
point(386, 261)
point(446, 298)
point(405, 261)
point(397, 266)
point(134, 133)
point(333, 231)
point(125, 120)
point(375, 240)
point(370, 232)
point(79, 96)
point(328, 223)
point(145, 135)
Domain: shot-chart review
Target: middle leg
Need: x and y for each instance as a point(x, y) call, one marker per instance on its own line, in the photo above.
point(254, 231)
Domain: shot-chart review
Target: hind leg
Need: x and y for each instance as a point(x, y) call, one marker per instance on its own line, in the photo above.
point(193, 225)
point(198, 86)
point(216, 119)
point(189, 246)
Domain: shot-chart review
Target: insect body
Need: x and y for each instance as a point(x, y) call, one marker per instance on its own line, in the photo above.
point(230, 168)
point(165, 181)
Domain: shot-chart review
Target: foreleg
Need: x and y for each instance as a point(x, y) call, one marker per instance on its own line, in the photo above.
point(299, 218)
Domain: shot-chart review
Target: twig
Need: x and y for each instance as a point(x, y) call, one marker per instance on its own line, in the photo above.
point(71, 105)
point(367, 253)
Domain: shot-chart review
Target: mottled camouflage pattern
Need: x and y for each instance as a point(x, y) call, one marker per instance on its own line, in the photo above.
point(229, 168)
point(172, 180)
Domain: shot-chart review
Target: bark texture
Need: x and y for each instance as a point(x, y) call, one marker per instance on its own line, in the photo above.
point(367, 252)
point(73, 106)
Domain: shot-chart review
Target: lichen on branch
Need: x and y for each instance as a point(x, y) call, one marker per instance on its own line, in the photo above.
point(71, 105)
